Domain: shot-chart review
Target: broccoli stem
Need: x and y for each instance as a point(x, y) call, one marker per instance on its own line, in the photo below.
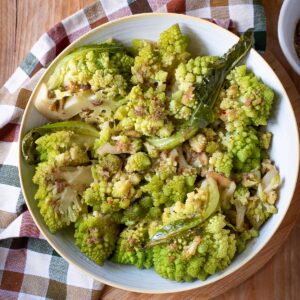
point(207, 93)
point(176, 139)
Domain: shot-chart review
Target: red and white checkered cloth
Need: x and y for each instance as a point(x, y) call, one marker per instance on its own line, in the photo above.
point(29, 267)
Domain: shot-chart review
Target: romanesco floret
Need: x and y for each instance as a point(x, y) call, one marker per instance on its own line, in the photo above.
point(80, 69)
point(244, 145)
point(257, 98)
point(59, 193)
point(184, 98)
point(109, 85)
point(96, 235)
point(148, 113)
point(147, 69)
point(244, 237)
point(137, 162)
point(112, 190)
point(259, 211)
point(262, 205)
point(265, 140)
point(240, 201)
point(106, 166)
point(170, 190)
point(130, 247)
point(172, 45)
point(247, 100)
point(50, 146)
point(196, 256)
point(111, 141)
point(201, 202)
point(241, 195)
point(222, 162)
point(137, 211)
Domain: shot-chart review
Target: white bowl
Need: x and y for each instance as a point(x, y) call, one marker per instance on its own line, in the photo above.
point(288, 18)
point(207, 38)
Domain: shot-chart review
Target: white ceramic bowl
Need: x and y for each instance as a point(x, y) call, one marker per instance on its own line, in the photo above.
point(288, 18)
point(206, 38)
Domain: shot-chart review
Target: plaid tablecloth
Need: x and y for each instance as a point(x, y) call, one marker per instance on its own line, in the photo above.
point(29, 267)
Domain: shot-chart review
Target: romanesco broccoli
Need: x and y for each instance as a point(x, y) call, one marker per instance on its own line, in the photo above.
point(130, 247)
point(96, 235)
point(59, 193)
point(184, 99)
point(222, 162)
point(245, 148)
point(196, 256)
point(169, 191)
point(137, 162)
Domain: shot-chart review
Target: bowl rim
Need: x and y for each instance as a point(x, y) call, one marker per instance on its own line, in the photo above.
point(46, 233)
point(294, 63)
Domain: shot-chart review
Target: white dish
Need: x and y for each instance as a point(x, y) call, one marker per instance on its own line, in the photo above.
point(288, 18)
point(207, 38)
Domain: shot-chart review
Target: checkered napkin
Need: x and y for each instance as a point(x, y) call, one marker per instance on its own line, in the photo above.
point(29, 267)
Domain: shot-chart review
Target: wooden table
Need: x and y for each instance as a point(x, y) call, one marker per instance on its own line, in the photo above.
point(21, 24)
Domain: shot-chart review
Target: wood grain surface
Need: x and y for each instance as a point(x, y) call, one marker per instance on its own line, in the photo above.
point(21, 24)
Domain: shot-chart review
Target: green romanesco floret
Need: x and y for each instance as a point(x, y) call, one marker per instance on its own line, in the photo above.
point(177, 188)
point(147, 69)
point(247, 100)
point(257, 98)
point(123, 63)
point(200, 203)
point(91, 67)
point(106, 166)
point(240, 200)
point(244, 146)
point(59, 193)
point(106, 131)
point(230, 110)
point(153, 61)
point(50, 146)
point(112, 189)
point(197, 255)
point(166, 165)
point(222, 162)
point(130, 247)
point(148, 112)
point(112, 141)
point(137, 162)
point(170, 190)
point(172, 46)
point(265, 140)
point(138, 211)
point(241, 195)
point(109, 85)
point(259, 211)
point(262, 205)
point(244, 237)
point(187, 75)
point(96, 236)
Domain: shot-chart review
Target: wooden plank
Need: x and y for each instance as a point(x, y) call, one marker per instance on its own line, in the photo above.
point(38, 16)
point(7, 40)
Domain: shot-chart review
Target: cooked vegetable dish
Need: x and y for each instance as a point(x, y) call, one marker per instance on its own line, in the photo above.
point(157, 158)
